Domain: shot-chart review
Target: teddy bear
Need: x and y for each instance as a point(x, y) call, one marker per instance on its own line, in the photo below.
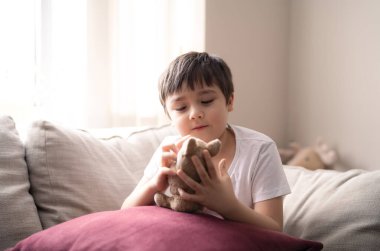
point(319, 156)
point(192, 146)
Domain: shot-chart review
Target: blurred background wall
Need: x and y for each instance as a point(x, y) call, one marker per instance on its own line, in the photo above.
point(304, 69)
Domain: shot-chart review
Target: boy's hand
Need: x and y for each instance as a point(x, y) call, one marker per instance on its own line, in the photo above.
point(169, 156)
point(169, 152)
point(215, 190)
point(160, 181)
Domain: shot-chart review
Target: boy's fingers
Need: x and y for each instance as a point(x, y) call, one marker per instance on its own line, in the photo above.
point(169, 148)
point(168, 155)
point(186, 196)
point(189, 181)
point(169, 171)
point(210, 166)
point(168, 158)
point(174, 147)
point(203, 175)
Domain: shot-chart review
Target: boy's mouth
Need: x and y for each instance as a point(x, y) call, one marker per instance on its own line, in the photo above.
point(199, 127)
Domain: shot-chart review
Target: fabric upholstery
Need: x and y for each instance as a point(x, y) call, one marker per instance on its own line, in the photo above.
point(70, 173)
point(140, 146)
point(18, 213)
point(73, 173)
point(339, 209)
point(153, 228)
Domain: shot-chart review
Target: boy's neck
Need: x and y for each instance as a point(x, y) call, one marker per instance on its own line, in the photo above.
point(227, 150)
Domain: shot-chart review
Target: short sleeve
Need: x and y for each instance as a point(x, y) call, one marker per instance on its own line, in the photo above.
point(269, 180)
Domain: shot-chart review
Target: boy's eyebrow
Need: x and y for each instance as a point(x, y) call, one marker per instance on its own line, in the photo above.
point(207, 91)
point(180, 98)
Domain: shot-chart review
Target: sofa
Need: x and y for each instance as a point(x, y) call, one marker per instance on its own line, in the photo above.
point(62, 187)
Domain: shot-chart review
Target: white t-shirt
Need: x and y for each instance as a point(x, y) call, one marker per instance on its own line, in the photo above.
point(256, 171)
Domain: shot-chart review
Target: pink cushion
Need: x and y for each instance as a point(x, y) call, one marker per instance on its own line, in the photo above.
point(154, 228)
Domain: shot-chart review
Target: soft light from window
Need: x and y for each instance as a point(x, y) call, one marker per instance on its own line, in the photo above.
point(87, 63)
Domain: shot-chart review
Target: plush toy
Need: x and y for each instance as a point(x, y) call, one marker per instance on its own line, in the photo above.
point(288, 153)
point(190, 147)
point(319, 156)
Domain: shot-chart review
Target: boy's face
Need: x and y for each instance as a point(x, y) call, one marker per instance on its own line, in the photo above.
point(201, 112)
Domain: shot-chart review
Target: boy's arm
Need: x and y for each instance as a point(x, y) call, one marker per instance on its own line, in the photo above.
point(266, 214)
point(144, 192)
point(141, 195)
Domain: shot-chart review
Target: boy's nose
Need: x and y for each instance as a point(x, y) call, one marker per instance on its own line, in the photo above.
point(196, 114)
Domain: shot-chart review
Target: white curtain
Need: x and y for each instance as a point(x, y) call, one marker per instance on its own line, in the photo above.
point(17, 58)
point(92, 63)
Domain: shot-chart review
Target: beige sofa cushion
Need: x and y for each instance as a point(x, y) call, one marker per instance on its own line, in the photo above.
point(339, 209)
point(18, 213)
point(140, 145)
point(73, 173)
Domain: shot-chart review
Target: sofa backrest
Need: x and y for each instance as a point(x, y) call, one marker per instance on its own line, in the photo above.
point(72, 173)
point(63, 173)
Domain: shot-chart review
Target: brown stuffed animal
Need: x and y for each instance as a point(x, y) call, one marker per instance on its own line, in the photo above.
point(319, 156)
point(190, 147)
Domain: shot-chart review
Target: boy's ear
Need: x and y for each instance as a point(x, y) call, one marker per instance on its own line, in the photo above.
point(230, 103)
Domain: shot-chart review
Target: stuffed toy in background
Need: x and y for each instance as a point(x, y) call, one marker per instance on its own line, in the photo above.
point(190, 147)
point(319, 156)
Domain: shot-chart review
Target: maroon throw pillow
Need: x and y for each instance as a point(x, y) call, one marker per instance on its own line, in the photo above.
point(155, 228)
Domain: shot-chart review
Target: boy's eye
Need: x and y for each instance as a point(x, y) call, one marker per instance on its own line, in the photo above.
point(180, 109)
point(207, 101)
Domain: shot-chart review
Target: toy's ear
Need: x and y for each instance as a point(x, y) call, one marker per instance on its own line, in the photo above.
point(189, 146)
point(214, 146)
point(327, 155)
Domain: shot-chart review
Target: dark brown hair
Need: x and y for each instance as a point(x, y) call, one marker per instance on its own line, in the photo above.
point(192, 69)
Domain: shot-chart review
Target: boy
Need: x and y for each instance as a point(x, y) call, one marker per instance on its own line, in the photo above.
point(245, 182)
